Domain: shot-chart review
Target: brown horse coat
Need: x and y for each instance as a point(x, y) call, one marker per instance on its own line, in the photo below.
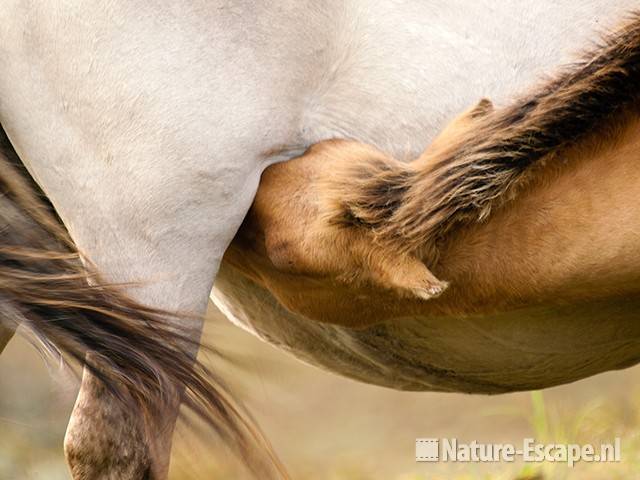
point(528, 213)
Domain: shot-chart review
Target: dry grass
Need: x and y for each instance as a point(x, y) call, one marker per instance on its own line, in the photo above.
point(330, 428)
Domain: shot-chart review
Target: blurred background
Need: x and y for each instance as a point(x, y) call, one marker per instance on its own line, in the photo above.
point(327, 427)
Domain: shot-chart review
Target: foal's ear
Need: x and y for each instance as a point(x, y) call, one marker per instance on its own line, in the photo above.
point(483, 107)
point(465, 120)
point(457, 127)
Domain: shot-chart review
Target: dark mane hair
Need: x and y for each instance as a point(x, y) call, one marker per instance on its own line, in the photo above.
point(45, 287)
point(409, 205)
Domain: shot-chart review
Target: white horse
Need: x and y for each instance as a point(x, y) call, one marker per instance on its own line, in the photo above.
point(148, 125)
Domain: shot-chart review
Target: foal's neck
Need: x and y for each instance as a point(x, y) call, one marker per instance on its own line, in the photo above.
point(571, 234)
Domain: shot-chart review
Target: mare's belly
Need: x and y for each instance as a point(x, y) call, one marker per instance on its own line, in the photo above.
point(521, 350)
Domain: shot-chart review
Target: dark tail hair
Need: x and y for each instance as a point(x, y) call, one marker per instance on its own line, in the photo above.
point(45, 286)
point(408, 205)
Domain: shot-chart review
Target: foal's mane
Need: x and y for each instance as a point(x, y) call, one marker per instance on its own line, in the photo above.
point(409, 205)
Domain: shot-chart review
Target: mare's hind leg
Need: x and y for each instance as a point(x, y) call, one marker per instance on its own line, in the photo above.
point(104, 442)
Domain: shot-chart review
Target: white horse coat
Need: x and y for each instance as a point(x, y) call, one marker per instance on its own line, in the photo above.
point(149, 123)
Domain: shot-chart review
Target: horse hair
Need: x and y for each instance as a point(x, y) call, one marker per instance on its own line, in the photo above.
point(45, 286)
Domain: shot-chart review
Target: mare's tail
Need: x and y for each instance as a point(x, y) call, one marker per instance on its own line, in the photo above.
point(46, 287)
